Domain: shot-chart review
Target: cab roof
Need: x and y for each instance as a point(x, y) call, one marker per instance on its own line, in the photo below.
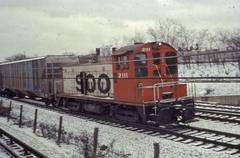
point(135, 47)
point(130, 48)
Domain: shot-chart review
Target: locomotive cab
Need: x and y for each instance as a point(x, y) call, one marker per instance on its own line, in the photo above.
point(146, 75)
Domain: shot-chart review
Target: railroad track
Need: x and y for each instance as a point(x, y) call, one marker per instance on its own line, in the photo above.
point(218, 140)
point(183, 133)
point(17, 148)
point(216, 117)
point(205, 103)
point(223, 113)
point(223, 107)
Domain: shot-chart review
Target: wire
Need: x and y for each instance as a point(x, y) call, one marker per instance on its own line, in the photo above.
point(234, 58)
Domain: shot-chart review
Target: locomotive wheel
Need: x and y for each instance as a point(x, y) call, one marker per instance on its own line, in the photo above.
point(46, 101)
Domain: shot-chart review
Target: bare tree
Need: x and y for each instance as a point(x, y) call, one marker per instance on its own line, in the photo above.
point(16, 57)
point(69, 53)
point(228, 39)
point(172, 32)
point(212, 40)
point(201, 38)
point(178, 35)
point(222, 37)
point(106, 50)
point(233, 41)
point(138, 37)
point(185, 37)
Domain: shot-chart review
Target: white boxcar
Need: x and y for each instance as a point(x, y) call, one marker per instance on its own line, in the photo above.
point(97, 80)
point(34, 77)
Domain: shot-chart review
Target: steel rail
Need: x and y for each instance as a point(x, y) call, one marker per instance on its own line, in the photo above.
point(217, 118)
point(25, 146)
point(224, 107)
point(219, 112)
point(211, 103)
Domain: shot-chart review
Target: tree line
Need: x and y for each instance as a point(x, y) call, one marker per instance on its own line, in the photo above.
point(174, 33)
point(181, 37)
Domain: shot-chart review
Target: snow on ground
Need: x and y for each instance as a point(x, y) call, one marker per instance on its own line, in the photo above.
point(3, 154)
point(139, 145)
point(211, 70)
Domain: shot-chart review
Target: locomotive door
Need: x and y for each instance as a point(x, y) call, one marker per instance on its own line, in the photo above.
point(141, 69)
point(58, 88)
point(141, 73)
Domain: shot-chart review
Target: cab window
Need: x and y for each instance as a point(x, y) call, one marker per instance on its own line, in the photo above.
point(141, 59)
point(171, 58)
point(141, 65)
point(122, 62)
point(156, 58)
point(171, 69)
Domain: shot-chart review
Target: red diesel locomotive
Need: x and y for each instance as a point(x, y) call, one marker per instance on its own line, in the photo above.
point(139, 85)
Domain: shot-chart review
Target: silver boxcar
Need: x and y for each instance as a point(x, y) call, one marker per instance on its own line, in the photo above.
point(35, 77)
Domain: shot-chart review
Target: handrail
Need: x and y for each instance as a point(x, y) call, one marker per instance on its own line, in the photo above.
point(156, 93)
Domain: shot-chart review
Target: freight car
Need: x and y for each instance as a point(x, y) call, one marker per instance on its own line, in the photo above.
point(38, 77)
point(139, 85)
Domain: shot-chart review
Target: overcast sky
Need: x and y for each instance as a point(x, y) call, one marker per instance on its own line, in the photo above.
point(55, 26)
